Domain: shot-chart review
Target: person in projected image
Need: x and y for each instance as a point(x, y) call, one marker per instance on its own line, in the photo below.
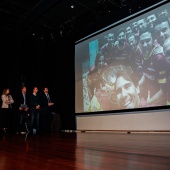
point(161, 29)
point(127, 90)
point(104, 98)
point(154, 70)
point(94, 79)
point(108, 48)
point(142, 24)
point(121, 55)
point(164, 13)
point(135, 30)
point(103, 58)
point(166, 49)
point(128, 31)
point(150, 20)
point(136, 55)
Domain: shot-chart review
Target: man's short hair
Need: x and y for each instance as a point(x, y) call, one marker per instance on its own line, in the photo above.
point(127, 73)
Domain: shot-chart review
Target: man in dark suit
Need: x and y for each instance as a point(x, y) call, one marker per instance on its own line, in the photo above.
point(23, 112)
point(46, 105)
point(34, 101)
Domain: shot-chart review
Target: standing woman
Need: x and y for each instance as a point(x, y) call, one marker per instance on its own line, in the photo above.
point(7, 101)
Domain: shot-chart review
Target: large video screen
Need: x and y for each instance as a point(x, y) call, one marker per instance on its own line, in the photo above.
point(126, 66)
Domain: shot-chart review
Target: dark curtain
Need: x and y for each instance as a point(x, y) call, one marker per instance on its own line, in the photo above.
point(41, 61)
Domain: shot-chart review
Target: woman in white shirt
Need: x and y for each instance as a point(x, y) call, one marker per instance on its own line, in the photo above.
point(7, 101)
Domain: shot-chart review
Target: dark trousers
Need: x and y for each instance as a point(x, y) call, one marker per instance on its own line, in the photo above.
point(22, 118)
point(35, 116)
point(7, 119)
point(46, 119)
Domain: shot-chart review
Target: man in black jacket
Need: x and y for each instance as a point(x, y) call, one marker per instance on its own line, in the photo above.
point(34, 101)
point(46, 105)
point(23, 111)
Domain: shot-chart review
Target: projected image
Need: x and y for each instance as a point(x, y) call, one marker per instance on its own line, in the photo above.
point(127, 66)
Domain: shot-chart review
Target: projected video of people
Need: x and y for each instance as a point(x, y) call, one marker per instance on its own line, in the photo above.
point(126, 66)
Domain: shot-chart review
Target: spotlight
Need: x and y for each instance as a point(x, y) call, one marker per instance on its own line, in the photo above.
point(72, 6)
point(52, 36)
point(61, 33)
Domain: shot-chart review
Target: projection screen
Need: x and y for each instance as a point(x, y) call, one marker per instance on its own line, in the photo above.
point(125, 66)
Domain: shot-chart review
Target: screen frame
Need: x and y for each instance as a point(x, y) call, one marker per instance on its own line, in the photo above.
point(104, 29)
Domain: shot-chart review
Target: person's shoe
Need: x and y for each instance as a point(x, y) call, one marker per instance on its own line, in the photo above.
point(23, 133)
point(4, 131)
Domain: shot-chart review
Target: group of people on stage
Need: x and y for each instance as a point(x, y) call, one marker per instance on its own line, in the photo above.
point(33, 111)
point(133, 69)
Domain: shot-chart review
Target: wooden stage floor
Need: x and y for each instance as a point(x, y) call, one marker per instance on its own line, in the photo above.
point(85, 151)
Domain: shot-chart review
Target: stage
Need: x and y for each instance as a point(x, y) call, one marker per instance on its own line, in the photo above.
point(86, 151)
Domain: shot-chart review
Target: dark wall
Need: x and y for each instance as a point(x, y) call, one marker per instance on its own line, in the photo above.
point(40, 62)
point(46, 61)
point(113, 16)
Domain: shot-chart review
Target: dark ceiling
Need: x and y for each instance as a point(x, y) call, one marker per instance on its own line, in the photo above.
point(54, 16)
